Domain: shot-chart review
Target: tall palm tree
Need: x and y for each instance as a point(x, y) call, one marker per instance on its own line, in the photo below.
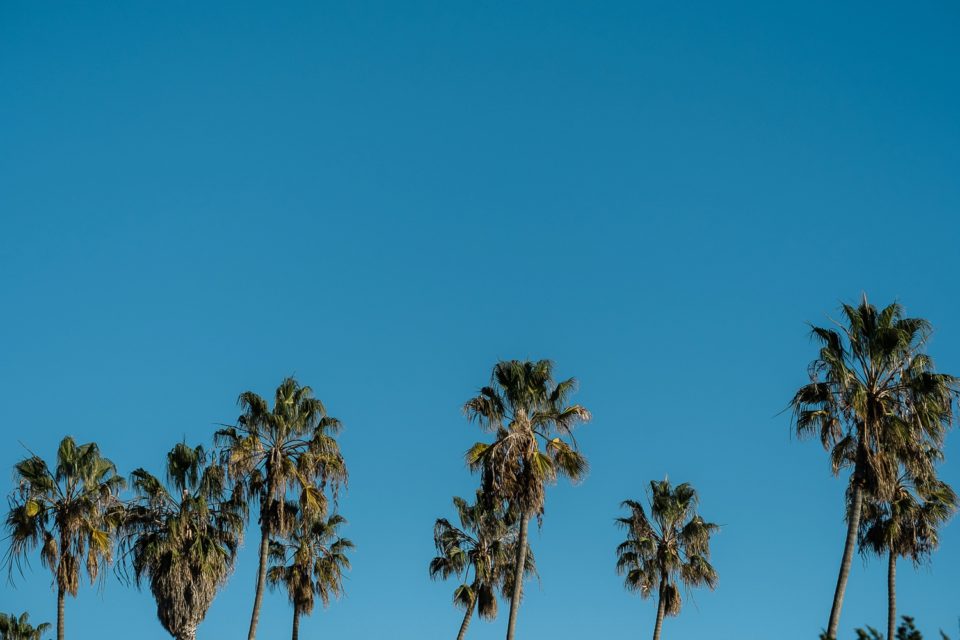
point(534, 444)
point(484, 545)
point(906, 527)
point(183, 538)
point(310, 561)
point(14, 627)
point(669, 547)
point(69, 512)
point(873, 392)
point(275, 451)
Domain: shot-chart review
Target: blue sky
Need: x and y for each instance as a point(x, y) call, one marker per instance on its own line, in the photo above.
point(384, 198)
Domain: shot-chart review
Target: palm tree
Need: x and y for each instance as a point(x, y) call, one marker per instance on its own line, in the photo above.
point(183, 538)
point(906, 527)
point(873, 393)
point(671, 545)
point(69, 512)
point(528, 412)
point(485, 546)
point(13, 627)
point(309, 561)
point(275, 451)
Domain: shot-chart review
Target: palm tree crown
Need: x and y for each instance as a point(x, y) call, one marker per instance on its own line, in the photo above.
point(183, 538)
point(310, 561)
point(670, 547)
point(481, 551)
point(907, 525)
point(533, 424)
point(70, 512)
point(13, 627)
point(873, 393)
point(287, 448)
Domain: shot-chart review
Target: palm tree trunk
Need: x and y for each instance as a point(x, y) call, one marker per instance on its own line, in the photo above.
point(466, 618)
point(296, 623)
point(190, 633)
point(261, 579)
point(60, 598)
point(661, 609)
point(853, 524)
point(518, 576)
point(891, 595)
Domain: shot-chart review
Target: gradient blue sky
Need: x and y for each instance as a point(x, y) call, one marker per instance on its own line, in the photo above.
point(385, 198)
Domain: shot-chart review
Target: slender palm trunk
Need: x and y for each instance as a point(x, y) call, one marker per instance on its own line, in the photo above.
point(189, 633)
point(60, 598)
point(466, 618)
point(661, 609)
point(891, 595)
point(518, 576)
point(261, 578)
point(853, 524)
point(296, 623)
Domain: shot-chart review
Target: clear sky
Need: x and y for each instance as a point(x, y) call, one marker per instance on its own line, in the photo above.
point(383, 198)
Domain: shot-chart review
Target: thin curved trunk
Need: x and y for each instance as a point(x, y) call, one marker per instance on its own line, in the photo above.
point(296, 623)
point(853, 524)
point(261, 580)
point(467, 616)
point(891, 595)
point(661, 609)
point(61, 595)
point(518, 576)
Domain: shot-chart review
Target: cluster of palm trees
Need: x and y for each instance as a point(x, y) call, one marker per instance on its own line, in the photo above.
point(181, 535)
point(532, 421)
point(874, 400)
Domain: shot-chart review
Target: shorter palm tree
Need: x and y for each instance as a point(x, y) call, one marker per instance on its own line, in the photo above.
point(482, 552)
point(906, 527)
point(70, 512)
point(14, 627)
point(671, 546)
point(183, 538)
point(309, 561)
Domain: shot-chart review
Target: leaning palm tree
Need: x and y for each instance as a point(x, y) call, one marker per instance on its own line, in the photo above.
point(183, 538)
point(873, 393)
point(906, 526)
point(309, 561)
point(70, 512)
point(275, 451)
point(481, 551)
point(534, 444)
point(14, 627)
point(669, 547)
